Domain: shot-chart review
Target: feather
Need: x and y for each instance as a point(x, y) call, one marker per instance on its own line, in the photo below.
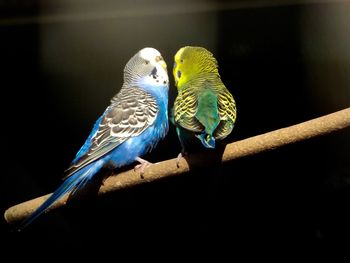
point(130, 127)
point(203, 106)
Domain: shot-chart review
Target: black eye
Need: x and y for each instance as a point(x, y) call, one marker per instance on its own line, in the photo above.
point(146, 62)
point(179, 74)
point(182, 61)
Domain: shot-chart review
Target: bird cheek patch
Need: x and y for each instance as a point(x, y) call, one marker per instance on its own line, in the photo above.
point(179, 74)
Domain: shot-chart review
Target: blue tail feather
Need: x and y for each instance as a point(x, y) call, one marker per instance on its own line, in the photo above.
point(71, 184)
point(207, 140)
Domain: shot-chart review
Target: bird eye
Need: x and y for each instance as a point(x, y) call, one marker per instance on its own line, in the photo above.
point(146, 62)
point(179, 74)
point(182, 61)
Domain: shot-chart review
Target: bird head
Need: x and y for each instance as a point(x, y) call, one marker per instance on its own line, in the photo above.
point(146, 67)
point(190, 62)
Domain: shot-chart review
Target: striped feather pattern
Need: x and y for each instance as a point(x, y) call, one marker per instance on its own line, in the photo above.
point(187, 100)
point(132, 111)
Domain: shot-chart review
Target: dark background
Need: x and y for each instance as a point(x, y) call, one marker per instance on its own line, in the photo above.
point(62, 62)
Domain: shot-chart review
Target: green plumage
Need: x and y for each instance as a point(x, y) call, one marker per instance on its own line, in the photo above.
point(207, 113)
point(203, 107)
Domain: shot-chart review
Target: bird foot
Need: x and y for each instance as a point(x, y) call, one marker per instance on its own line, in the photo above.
point(178, 159)
point(104, 179)
point(142, 166)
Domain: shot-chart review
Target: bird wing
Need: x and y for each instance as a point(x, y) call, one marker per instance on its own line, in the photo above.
point(227, 113)
point(131, 111)
point(186, 105)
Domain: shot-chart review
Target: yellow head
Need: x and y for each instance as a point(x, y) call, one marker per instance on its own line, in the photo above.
point(192, 61)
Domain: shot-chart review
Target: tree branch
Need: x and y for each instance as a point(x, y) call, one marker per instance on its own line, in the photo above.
point(253, 145)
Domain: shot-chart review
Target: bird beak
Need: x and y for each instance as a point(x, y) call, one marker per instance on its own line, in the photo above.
point(161, 61)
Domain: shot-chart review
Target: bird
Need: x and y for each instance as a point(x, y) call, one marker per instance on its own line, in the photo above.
point(131, 126)
point(204, 108)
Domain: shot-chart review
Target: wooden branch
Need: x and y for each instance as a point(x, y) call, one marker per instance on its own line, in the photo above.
point(264, 142)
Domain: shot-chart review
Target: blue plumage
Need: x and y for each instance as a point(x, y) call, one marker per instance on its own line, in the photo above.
point(129, 128)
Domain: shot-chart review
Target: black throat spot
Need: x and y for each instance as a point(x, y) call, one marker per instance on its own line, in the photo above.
point(154, 72)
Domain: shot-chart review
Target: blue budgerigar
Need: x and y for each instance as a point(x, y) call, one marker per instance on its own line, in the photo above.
point(131, 126)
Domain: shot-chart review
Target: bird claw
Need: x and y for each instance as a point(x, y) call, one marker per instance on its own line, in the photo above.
point(104, 180)
point(142, 166)
point(178, 160)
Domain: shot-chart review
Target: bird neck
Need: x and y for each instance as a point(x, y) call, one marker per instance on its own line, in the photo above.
point(193, 80)
point(160, 93)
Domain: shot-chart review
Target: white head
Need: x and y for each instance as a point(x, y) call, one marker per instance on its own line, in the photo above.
point(146, 67)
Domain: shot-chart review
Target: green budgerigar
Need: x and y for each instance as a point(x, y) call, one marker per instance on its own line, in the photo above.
point(204, 107)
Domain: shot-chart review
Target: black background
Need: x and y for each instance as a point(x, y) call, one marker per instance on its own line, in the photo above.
point(284, 64)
